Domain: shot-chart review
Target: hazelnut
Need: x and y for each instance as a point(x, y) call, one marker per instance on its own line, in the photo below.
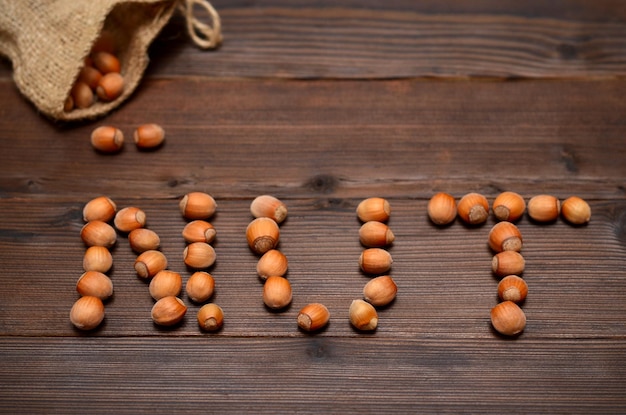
point(200, 286)
point(82, 95)
point(110, 86)
point(505, 236)
point(98, 233)
point(266, 206)
point(199, 231)
point(262, 235)
point(512, 288)
point(277, 292)
point(313, 317)
point(197, 205)
point(199, 255)
point(150, 262)
point(101, 208)
point(168, 311)
point(210, 317)
point(442, 209)
point(375, 234)
point(508, 206)
point(576, 211)
point(95, 284)
point(507, 263)
point(375, 261)
point(165, 283)
point(149, 136)
point(107, 139)
point(97, 258)
point(273, 262)
point(363, 315)
point(374, 208)
point(380, 291)
point(544, 208)
point(90, 76)
point(508, 318)
point(473, 208)
point(143, 239)
point(105, 62)
point(129, 218)
point(87, 312)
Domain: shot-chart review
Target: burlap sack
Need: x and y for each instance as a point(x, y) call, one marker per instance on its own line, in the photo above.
point(47, 42)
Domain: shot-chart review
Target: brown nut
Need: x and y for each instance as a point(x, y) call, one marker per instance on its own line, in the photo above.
point(105, 62)
point(197, 205)
point(110, 86)
point(165, 283)
point(101, 208)
point(199, 231)
point(262, 235)
point(363, 315)
point(98, 233)
point(508, 318)
point(267, 206)
point(505, 236)
point(82, 95)
point(150, 262)
point(512, 288)
point(200, 286)
point(143, 239)
point(313, 317)
point(87, 313)
point(107, 139)
point(129, 218)
point(277, 292)
point(380, 291)
point(375, 261)
point(473, 208)
point(90, 76)
point(148, 136)
point(544, 208)
point(374, 208)
point(576, 211)
point(508, 263)
point(508, 206)
point(199, 255)
point(210, 317)
point(97, 258)
point(95, 284)
point(442, 209)
point(168, 311)
point(374, 234)
point(273, 262)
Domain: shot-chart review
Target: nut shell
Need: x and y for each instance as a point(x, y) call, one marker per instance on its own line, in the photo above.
point(509, 206)
point(313, 317)
point(105, 62)
point(375, 261)
point(210, 317)
point(200, 286)
point(277, 292)
point(87, 313)
point(143, 239)
point(95, 284)
point(508, 318)
point(129, 218)
point(165, 283)
point(197, 205)
point(375, 234)
point(149, 136)
point(508, 263)
point(107, 139)
point(168, 311)
point(442, 209)
point(101, 208)
point(512, 288)
point(97, 258)
point(199, 231)
point(380, 291)
point(262, 235)
point(505, 236)
point(374, 208)
point(473, 208)
point(273, 262)
point(576, 210)
point(150, 262)
point(363, 315)
point(98, 233)
point(110, 86)
point(199, 255)
point(544, 208)
point(267, 206)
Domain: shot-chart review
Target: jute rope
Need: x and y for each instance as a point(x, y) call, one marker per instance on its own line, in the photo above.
point(206, 36)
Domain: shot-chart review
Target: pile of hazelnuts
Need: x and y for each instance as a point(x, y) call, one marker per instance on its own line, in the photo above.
point(505, 240)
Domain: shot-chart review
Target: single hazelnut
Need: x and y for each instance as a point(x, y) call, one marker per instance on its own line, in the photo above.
point(197, 205)
point(165, 283)
point(262, 235)
point(149, 136)
point(576, 210)
point(168, 311)
point(90, 76)
point(200, 286)
point(97, 258)
point(313, 317)
point(107, 139)
point(508, 318)
point(442, 209)
point(199, 231)
point(110, 86)
point(267, 206)
point(363, 315)
point(373, 208)
point(273, 262)
point(129, 218)
point(98, 233)
point(143, 239)
point(374, 234)
point(508, 206)
point(105, 62)
point(473, 208)
point(96, 284)
point(505, 236)
point(210, 317)
point(150, 262)
point(508, 263)
point(375, 261)
point(512, 288)
point(82, 95)
point(87, 312)
point(544, 208)
point(277, 292)
point(101, 208)
point(380, 291)
point(199, 255)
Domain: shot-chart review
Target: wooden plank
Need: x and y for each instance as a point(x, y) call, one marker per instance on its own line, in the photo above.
point(310, 375)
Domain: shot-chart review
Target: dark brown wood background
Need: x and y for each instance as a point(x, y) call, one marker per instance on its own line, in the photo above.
point(322, 104)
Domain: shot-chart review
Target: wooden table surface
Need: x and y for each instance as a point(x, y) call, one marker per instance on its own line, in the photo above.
point(323, 104)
